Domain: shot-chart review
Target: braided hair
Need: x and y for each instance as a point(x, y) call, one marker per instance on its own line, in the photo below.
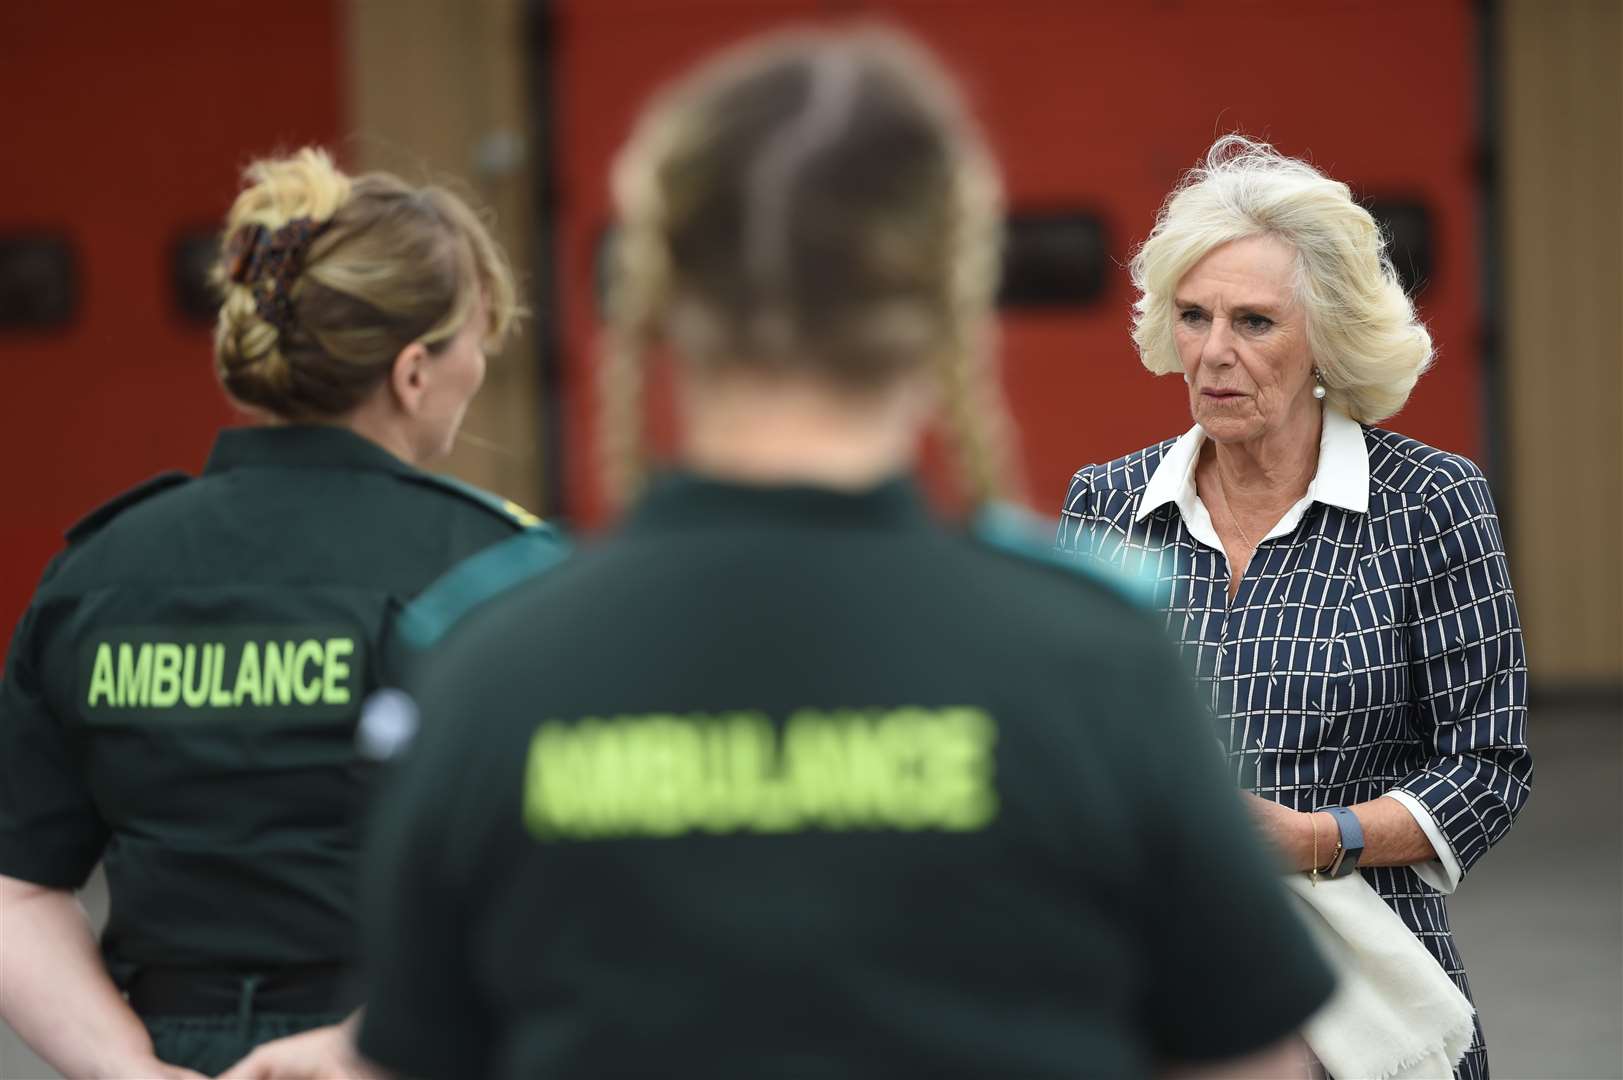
point(326, 278)
point(815, 203)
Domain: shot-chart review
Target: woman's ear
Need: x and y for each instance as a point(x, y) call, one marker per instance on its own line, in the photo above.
point(408, 378)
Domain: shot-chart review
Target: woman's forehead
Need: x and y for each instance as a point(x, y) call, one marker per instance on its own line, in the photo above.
point(1254, 271)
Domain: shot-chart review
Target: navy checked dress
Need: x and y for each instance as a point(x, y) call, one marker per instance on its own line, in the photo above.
point(1365, 653)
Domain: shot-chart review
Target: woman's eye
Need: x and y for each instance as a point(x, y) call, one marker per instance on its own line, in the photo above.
point(1191, 316)
point(1256, 323)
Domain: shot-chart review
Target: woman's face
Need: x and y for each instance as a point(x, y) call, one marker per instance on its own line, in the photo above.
point(1242, 337)
point(456, 373)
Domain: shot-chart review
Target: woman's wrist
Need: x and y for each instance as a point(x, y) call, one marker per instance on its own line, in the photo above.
point(119, 1064)
point(1323, 837)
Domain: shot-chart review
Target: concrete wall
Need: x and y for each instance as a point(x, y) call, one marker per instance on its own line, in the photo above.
point(1561, 130)
point(437, 90)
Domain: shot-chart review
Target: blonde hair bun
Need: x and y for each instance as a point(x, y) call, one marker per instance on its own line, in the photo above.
point(325, 278)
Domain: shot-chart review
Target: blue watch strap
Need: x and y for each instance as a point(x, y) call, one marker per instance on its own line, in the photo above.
point(1352, 841)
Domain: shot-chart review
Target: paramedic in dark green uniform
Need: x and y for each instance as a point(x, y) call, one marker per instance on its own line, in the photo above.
point(802, 783)
point(181, 698)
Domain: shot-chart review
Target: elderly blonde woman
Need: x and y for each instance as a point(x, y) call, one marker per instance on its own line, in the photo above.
point(1340, 588)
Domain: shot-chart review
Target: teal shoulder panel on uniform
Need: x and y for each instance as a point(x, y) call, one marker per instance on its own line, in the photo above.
point(1016, 531)
point(98, 518)
point(506, 509)
point(475, 580)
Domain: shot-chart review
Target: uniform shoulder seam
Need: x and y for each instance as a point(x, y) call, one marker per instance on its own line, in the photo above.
point(476, 580)
point(505, 509)
point(1015, 532)
point(99, 518)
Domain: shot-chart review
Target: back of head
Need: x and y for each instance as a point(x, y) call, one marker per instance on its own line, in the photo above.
point(815, 203)
point(326, 278)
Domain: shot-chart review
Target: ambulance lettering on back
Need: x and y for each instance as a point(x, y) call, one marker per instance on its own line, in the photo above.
point(836, 770)
point(173, 673)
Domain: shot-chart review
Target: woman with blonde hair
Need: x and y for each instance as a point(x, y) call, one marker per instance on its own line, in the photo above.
point(1341, 589)
point(818, 786)
point(181, 698)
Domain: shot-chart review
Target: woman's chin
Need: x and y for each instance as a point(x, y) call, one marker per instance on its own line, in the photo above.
point(1227, 429)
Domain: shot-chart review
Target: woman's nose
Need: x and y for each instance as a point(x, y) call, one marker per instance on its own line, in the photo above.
point(1218, 348)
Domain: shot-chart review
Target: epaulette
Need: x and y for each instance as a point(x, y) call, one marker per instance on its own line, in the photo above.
point(95, 520)
point(1016, 531)
point(506, 509)
point(476, 579)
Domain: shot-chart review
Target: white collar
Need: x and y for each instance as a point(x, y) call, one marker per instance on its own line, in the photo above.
point(1342, 479)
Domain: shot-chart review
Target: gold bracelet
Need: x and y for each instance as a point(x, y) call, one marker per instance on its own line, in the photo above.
point(1313, 871)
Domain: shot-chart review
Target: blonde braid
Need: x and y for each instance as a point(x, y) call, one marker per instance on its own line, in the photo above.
point(638, 287)
point(719, 173)
point(976, 419)
point(620, 384)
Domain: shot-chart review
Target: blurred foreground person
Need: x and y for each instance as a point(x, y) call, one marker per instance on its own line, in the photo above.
point(814, 786)
point(181, 698)
point(1341, 588)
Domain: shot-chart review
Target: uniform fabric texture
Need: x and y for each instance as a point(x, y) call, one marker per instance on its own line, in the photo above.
point(663, 847)
point(181, 697)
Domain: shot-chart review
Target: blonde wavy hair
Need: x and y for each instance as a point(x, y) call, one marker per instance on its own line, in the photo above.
point(392, 264)
point(816, 202)
point(1368, 344)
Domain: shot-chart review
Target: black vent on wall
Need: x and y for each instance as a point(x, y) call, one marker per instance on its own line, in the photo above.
point(1408, 226)
point(191, 256)
point(39, 281)
point(1054, 259)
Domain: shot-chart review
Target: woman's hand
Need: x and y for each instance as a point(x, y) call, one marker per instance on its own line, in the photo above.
point(325, 1053)
point(1290, 832)
point(1392, 837)
point(149, 1066)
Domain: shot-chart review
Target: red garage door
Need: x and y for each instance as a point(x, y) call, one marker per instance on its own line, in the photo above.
point(126, 126)
point(1095, 107)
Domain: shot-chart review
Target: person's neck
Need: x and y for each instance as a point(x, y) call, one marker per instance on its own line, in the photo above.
point(371, 420)
point(777, 430)
point(1273, 470)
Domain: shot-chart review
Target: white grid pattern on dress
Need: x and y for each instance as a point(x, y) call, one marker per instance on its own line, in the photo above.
point(1362, 653)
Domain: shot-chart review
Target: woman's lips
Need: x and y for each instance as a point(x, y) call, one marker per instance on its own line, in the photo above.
point(1221, 394)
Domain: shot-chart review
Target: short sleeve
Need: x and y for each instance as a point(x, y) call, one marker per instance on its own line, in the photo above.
point(50, 830)
point(1215, 916)
point(425, 1015)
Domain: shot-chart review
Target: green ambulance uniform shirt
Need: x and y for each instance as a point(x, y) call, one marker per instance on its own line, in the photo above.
point(790, 782)
point(182, 695)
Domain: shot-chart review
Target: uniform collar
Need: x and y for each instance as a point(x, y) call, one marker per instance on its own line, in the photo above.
point(680, 499)
point(1342, 478)
point(299, 446)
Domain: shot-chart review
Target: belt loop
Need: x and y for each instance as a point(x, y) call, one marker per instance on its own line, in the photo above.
point(245, 1005)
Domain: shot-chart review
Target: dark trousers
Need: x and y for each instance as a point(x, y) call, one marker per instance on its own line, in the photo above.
point(208, 1022)
point(212, 1044)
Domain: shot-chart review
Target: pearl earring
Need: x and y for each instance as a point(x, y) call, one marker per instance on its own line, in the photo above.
point(1318, 385)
